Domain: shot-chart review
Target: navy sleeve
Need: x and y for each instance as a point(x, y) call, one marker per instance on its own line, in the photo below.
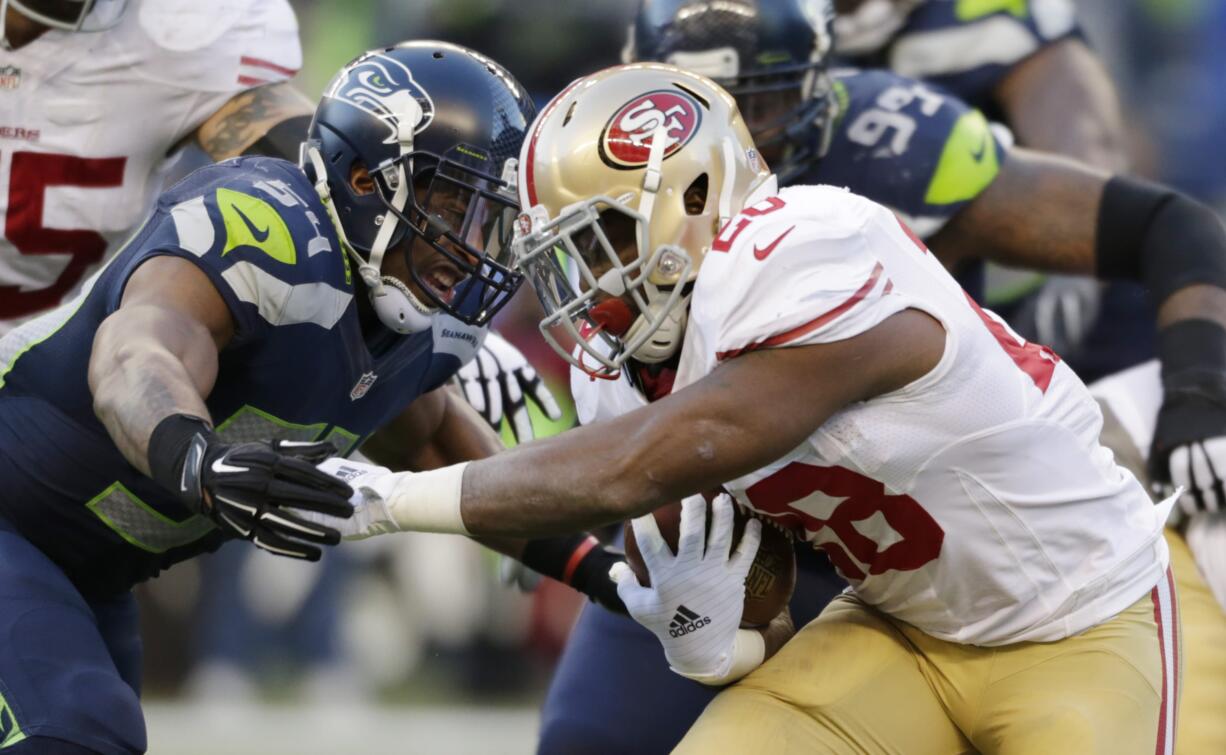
point(908, 145)
point(253, 234)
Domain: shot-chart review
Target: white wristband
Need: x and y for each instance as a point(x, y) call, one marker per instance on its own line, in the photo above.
point(427, 501)
point(748, 652)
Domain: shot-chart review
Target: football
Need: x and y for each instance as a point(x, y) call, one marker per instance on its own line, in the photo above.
point(771, 578)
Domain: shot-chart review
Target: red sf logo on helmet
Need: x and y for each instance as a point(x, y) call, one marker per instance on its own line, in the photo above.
point(627, 137)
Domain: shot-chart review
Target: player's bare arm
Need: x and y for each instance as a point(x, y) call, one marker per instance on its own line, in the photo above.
point(695, 439)
point(253, 117)
point(438, 429)
point(157, 354)
point(1062, 100)
point(1050, 213)
point(441, 428)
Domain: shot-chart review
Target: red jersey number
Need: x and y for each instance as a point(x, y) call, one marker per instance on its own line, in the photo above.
point(838, 499)
point(727, 234)
point(31, 174)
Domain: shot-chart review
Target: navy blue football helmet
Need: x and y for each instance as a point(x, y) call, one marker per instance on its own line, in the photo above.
point(769, 54)
point(437, 127)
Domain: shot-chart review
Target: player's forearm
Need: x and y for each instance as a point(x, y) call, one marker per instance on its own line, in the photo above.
point(137, 382)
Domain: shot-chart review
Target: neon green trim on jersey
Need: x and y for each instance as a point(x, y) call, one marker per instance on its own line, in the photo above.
point(12, 362)
point(158, 532)
point(250, 221)
point(969, 10)
point(10, 730)
point(842, 101)
point(250, 424)
point(968, 162)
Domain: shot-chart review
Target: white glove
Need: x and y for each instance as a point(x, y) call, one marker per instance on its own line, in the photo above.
point(386, 501)
point(1201, 468)
point(499, 381)
point(370, 513)
point(1206, 534)
point(696, 598)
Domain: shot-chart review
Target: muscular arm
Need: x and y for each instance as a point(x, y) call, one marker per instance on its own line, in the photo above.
point(1062, 100)
point(745, 414)
point(247, 118)
point(1042, 213)
point(157, 354)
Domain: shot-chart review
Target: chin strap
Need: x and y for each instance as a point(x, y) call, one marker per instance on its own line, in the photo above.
point(393, 302)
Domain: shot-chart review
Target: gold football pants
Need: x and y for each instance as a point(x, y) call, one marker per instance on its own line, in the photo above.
point(857, 681)
point(1202, 702)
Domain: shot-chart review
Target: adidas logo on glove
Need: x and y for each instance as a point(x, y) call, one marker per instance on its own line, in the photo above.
point(686, 621)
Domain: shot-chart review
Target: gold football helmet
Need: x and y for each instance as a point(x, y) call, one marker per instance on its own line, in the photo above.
point(625, 179)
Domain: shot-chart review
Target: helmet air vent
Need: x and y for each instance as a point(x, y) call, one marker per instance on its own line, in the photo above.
point(702, 100)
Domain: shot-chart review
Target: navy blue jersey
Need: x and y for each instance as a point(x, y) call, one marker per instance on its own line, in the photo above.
point(911, 147)
point(969, 46)
point(907, 145)
point(298, 368)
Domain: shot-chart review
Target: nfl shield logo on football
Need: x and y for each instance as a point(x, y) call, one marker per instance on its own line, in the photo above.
point(362, 386)
point(10, 77)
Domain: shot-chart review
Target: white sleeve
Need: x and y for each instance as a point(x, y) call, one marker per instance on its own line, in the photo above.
point(205, 53)
point(820, 283)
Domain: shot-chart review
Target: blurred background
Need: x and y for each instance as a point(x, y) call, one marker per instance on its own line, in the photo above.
point(411, 643)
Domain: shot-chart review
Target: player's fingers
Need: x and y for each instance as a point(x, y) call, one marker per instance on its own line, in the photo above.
point(521, 423)
point(655, 552)
point(544, 398)
point(270, 541)
point(511, 391)
point(1180, 466)
point(312, 452)
point(470, 381)
point(719, 544)
point(290, 525)
point(1215, 456)
point(631, 592)
point(747, 549)
point(693, 528)
point(1200, 475)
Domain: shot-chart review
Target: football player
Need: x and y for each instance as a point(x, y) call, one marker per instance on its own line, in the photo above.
point(833, 376)
point(894, 140)
point(1024, 61)
point(264, 317)
point(85, 141)
point(97, 95)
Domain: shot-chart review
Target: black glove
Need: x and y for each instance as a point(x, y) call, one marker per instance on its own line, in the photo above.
point(1189, 445)
point(581, 562)
point(248, 489)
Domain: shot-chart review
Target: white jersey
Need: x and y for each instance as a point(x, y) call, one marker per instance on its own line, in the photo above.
point(974, 503)
point(87, 121)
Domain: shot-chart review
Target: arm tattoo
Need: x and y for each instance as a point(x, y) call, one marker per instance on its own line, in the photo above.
point(247, 117)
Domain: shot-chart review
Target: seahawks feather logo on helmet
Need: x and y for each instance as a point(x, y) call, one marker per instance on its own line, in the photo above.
point(383, 87)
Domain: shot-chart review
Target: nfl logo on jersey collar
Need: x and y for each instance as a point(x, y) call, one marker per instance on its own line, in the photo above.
point(362, 386)
point(10, 77)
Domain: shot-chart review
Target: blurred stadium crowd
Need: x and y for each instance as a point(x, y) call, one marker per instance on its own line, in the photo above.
point(421, 618)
